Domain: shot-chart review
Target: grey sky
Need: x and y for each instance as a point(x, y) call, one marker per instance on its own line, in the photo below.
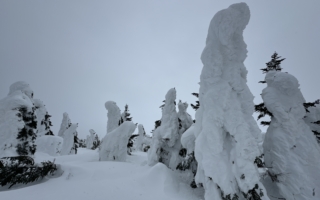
point(76, 55)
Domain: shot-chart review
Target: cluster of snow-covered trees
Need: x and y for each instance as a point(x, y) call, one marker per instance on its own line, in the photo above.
point(222, 150)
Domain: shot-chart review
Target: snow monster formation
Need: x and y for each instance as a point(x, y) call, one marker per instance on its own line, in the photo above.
point(114, 115)
point(165, 145)
point(227, 135)
point(292, 154)
point(17, 121)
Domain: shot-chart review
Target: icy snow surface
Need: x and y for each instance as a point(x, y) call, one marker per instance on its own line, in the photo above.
point(86, 178)
point(290, 148)
point(227, 135)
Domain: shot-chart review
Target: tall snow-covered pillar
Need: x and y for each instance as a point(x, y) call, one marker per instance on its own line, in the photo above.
point(226, 134)
point(292, 154)
point(166, 144)
point(66, 122)
point(114, 115)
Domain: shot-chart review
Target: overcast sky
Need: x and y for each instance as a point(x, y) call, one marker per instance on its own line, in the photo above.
point(76, 55)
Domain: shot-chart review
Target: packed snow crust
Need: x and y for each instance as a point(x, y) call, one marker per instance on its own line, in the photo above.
point(227, 136)
point(84, 177)
point(290, 148)
point(114, 144)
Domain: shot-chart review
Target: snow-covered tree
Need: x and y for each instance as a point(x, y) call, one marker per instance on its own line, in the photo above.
point(114, 115)
point(166, 143)
point(197, 105)
point(70, 140)
point(114, 144)
point(96, 142)
point(312, 118)
point(125, 116)
point(227, 135)
point(17, 121)
point(142, 140)
point(273, 65)
point(90, 139)
point(292, 155)
point(66, 122)
point(43, 119)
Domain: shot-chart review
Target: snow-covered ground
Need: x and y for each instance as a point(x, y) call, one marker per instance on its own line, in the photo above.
point(85, 177)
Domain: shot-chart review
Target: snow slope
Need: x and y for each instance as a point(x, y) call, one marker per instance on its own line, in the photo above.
point(86, 178)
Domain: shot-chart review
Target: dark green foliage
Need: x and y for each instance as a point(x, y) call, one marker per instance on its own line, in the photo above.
point(22, 169)
point(27, 135)
point(273, 64)
point(46, 121)
point(259, 161)
point(126, 113)
point(228, 196)
point(82, 143)
point(96, 142)
point(196, 107)
point(146, 148)
point(183, 152)
point(156, 125)
point(254, 193)
point(189, 163)
point(75, 143)
point(317, 134)
point(130, 143)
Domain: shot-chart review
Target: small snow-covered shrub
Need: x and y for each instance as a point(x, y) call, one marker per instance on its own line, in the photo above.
point(22, 169)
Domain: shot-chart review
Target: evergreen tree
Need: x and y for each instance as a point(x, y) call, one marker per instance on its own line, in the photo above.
point(195, 107)
point(75, 143)
point(47, 124)
point(273, 64)
point(96, 142)
point(125, 116)
point(27, 135)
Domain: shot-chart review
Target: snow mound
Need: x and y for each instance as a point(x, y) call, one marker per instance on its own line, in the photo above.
point(114, 144)
point(49, 144)
point(188, 139)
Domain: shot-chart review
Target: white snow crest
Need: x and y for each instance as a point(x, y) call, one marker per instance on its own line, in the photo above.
point(290, 148)
point(114, 115)
point(64, 124)
point(114, 144)
point(227, 135)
